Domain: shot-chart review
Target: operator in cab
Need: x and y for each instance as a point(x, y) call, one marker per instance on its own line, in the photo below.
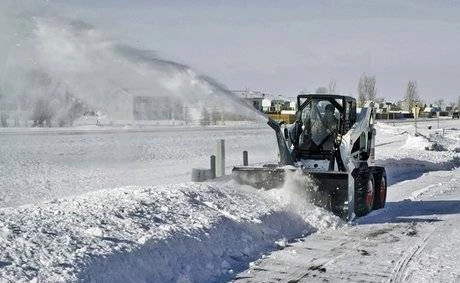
point(314, 131)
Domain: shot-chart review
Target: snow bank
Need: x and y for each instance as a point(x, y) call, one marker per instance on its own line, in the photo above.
point(407, 155)
point(188, 233)
point(441, 140)
point(416, 142)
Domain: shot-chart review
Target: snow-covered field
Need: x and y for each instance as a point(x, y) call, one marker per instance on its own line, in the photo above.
point(41, 164)
point(117, 205)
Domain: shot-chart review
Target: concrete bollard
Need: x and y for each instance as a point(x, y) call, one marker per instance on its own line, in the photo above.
point(201, 175)
point(245, 158)
point(220, 158)
point(213, 166)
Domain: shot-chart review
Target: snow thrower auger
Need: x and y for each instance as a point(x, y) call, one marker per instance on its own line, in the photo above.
point(332, 146)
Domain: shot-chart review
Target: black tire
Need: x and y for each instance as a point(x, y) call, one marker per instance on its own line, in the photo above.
point(380, 187)
point(364, 190)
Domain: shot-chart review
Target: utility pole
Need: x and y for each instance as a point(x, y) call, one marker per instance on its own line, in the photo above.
point(437, 115)
point(415, 110)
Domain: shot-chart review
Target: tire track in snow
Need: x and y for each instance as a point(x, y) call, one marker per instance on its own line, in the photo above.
point(399, 273)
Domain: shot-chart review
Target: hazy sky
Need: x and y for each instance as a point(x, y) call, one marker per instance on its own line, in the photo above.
point(283, 47)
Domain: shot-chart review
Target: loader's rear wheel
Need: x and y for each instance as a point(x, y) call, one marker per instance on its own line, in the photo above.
point(364, 191)
point(380, 187)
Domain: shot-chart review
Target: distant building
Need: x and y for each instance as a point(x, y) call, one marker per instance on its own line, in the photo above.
point(157, 108)
point(266, 104)
point(276, 107)
point(253, 98)
point(256, 102)
point(143, 107)
point(384, 106)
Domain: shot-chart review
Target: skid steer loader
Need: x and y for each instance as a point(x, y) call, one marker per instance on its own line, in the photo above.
point(332, 145)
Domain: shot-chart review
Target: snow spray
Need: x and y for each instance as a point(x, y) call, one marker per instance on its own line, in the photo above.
point(54, 69)
point(297, 193)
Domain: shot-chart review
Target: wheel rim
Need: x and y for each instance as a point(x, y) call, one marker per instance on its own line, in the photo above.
point(383, 190)
point(370, 195)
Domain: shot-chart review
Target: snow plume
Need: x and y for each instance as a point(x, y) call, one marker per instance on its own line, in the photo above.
point(56, 69)
point(298, 193)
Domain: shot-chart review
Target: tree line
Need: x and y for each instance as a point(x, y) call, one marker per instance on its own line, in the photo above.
point(367, 91)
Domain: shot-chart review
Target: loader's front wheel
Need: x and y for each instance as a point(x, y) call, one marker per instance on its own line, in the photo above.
point(364, 191)
point(380, 187)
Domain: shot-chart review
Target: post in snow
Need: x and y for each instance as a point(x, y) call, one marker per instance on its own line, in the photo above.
point(220, 158)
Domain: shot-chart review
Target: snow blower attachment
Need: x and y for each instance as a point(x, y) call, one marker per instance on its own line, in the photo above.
point(331, 146)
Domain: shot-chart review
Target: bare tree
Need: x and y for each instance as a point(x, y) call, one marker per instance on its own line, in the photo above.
point(411, 95)
point(332, 86)
point(458, 102)
point(186, 115)
point(42, 113)
point(3, 119)
point(321, 90)
point(366, 89)
point(439, 103)
point(215, 115)
point(205, 117)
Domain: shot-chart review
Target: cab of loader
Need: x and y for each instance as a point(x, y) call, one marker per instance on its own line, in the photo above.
point(321, 119)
